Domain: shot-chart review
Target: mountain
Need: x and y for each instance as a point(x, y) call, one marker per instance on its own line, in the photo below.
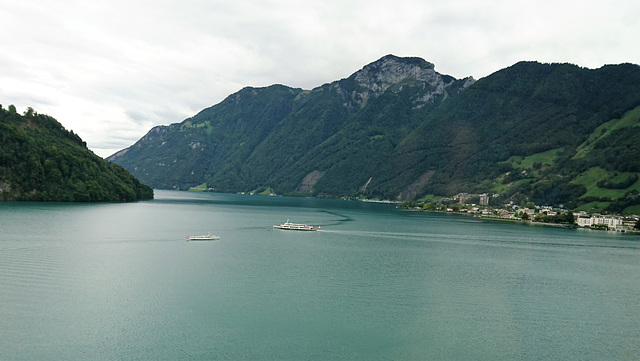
point(278, 136)
point(544, 132)
point(397, 129)
point(41, 161)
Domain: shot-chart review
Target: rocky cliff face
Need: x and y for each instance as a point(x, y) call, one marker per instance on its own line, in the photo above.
point(394, 73)
point(390, 70)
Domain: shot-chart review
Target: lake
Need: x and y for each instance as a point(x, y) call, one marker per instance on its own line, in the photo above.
point(119, 281)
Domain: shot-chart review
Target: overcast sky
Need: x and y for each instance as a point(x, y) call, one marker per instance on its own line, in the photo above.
point(111, 70)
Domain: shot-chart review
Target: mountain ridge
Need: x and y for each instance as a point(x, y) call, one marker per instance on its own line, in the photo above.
point(395, 129)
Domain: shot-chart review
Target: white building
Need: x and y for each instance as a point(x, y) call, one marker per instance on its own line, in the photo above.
point(584, 221)
point(597, 220)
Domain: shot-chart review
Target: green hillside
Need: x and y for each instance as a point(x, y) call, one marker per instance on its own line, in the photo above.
point(339, 134)
point(41, 161)
point(397, 129)
point(528, 131)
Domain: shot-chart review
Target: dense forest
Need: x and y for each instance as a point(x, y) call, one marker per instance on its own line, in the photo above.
point(553, 134)
point(571, 123)
point(277, 136)
point(42, 161)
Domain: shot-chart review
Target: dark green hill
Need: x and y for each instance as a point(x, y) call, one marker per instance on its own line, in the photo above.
point(396, 129)
point(41, 161)
point(326, 141)
point(528, 109)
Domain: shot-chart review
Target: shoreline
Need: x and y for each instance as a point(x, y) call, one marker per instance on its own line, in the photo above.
point(528, 222)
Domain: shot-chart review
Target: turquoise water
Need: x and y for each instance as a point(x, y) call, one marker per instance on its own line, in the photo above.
point(119, 282)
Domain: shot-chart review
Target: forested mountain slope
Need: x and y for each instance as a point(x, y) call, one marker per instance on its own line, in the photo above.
point(41, 161)
point(569, 120)
point(397, 129)
point(276, 136)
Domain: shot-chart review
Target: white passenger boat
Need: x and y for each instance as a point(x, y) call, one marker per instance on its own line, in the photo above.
point(204, 237)
point(295, 227)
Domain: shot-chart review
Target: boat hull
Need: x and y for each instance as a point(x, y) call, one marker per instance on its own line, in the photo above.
point(288, 226)
point(206, 237)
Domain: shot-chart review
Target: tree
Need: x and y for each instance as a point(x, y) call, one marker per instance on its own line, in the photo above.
point(429, 206)
point(637, 226)
point(44, 162)
point(570, 218)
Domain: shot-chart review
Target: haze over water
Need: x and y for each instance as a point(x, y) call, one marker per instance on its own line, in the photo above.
point(119, 281)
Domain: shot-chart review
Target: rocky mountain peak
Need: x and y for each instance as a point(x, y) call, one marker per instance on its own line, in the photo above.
point(392, 72)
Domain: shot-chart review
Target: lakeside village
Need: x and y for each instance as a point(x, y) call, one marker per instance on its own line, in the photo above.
point(478, 206)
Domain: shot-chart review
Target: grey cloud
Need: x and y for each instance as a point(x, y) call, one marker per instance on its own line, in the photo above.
point(112, 70)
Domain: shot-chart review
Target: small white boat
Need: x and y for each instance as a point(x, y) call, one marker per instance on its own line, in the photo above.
point(204, 237)
point(295, 227)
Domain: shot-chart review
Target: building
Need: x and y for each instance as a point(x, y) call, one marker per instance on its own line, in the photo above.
point(612, 223)
point(583, 221)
